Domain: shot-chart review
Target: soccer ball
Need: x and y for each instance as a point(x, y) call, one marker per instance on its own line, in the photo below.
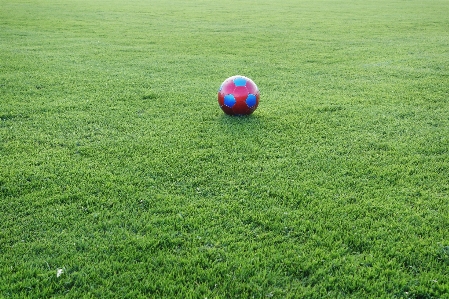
point(238, 95)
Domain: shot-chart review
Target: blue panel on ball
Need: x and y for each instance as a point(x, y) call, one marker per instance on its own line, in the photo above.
point(229, 100)
point(251, 100)
point(239, 81)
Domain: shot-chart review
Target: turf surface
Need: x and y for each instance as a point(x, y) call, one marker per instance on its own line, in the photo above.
point(120, 176)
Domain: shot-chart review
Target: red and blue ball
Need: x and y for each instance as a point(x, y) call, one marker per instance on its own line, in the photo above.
point(238, 95)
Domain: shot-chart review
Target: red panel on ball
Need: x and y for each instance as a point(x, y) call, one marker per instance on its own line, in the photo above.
point(252, 88)
point(220, 99)
point(227, 110)
point(240, 93)
point(240, 108)
point(227, 87)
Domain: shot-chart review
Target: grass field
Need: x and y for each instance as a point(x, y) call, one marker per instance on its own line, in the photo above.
point(120, 177)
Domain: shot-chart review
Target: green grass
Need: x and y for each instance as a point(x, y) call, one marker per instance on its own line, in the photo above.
point(118, 167)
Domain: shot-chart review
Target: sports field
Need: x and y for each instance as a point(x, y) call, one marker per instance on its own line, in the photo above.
point(120, 177)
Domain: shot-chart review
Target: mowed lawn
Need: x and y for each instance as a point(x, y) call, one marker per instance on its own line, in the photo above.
point(120, 177)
